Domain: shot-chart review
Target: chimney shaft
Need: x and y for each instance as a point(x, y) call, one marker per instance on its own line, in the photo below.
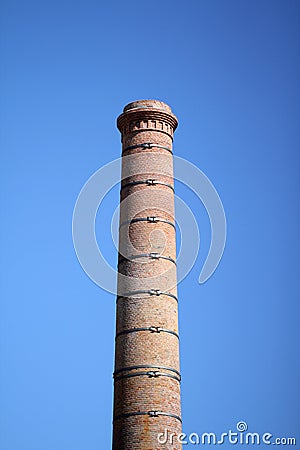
point(147, 373)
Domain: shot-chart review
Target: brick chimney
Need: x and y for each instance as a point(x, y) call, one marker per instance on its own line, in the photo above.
point(147, 373)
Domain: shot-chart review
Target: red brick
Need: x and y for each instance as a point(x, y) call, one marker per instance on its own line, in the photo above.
point(146, 121)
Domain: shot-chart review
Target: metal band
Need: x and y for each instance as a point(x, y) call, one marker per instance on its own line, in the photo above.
point(148, 255)
point(150, 292)
point(146, 145)
point(146, 366)
point(148, 413)
point(149, 374)
point(151, 329)
point(149, 182)
point(151, 219)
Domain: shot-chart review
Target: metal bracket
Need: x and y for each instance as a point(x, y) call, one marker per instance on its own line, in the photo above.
point(154, 292)
point(154, 374)
point(155, 329)
point(151, 182)
point(152, 219)
point(155, 255)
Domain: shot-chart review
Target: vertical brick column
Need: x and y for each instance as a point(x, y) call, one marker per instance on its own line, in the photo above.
point(147, 373)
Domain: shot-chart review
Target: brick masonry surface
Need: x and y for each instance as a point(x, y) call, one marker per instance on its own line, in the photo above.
point(147, 371)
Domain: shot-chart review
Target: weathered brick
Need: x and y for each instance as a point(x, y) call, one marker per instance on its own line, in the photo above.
point(138, 388)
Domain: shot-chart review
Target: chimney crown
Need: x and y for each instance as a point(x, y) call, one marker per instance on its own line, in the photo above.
point(152, 114)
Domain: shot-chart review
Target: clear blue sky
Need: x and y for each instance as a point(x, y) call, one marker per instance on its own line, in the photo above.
point(230, 71)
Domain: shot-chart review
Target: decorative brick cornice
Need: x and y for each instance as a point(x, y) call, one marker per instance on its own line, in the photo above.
point(149, 116)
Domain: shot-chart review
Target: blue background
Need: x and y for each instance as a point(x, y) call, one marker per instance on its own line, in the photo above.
point(230, 71)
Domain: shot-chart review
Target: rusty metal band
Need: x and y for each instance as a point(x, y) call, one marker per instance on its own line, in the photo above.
point(147, 145)
point(151, 329)
point(149, 374)
point(147, 413)
point(151, 292)
point(148, 255)
point(146, 366)
point(149, 182)
point(151, 219)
